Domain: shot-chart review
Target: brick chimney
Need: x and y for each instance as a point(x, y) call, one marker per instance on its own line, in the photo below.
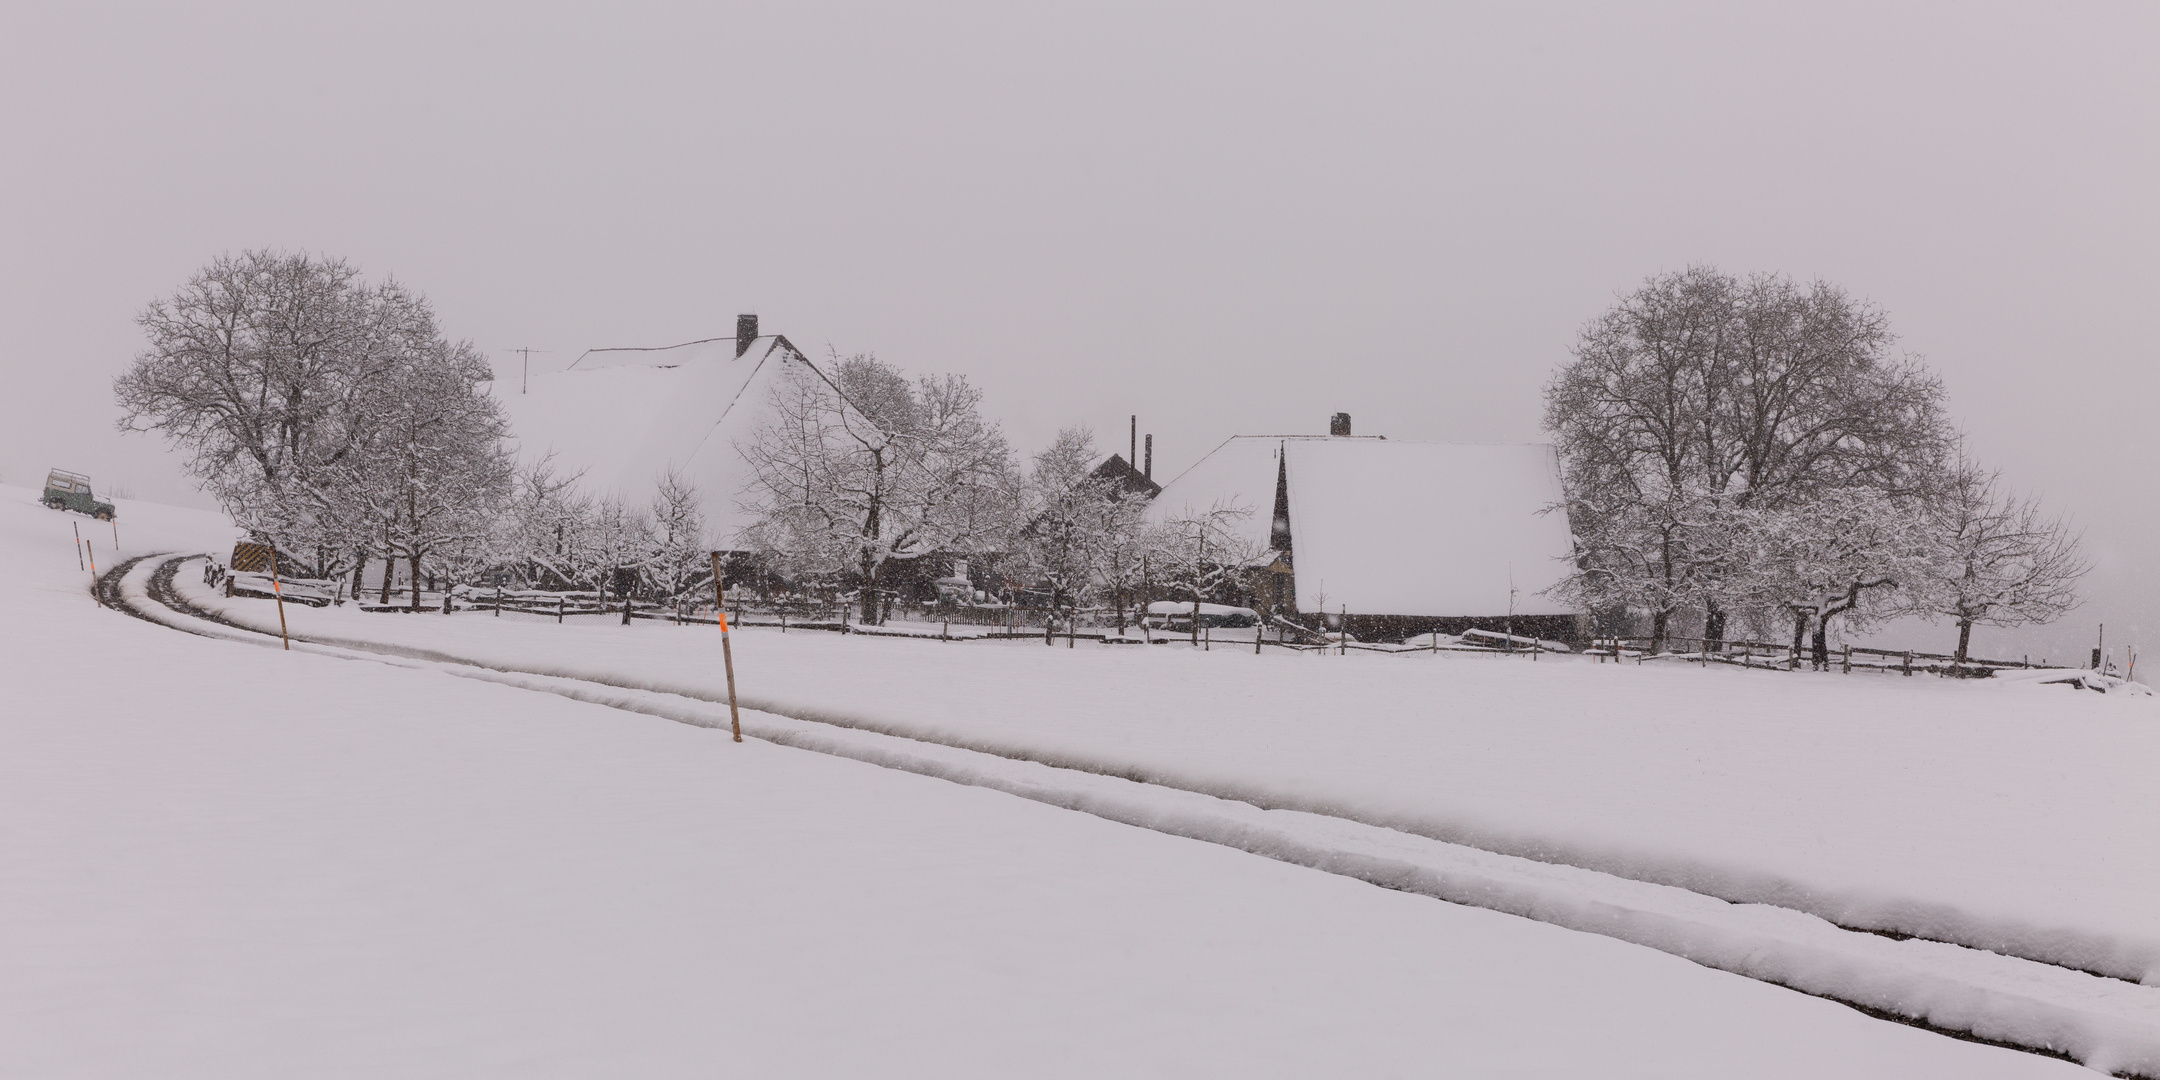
point(1338, 426)
point(745, 333)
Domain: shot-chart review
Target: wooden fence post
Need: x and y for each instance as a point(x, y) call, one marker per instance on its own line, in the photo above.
point(1908, 663)
point(1848, 658)
point(727, 653)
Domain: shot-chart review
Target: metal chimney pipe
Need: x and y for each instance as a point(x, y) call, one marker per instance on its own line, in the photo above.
point(745, 333)
point(1134, 451)
point(1147, 471)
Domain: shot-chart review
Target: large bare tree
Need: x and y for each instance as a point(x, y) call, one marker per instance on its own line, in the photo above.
point(271, 372)
point(1701, 395)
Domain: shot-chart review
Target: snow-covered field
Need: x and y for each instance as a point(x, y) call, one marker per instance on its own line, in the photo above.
point(2010, 817)
point(223, 860)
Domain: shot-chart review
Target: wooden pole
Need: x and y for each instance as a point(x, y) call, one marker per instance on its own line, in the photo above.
point(727, 653)
point(78, 545)
point(279, 592)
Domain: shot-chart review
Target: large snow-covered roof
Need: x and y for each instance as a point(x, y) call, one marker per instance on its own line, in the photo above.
point(1386, 527)
point(624, 417)
point(1411, 528)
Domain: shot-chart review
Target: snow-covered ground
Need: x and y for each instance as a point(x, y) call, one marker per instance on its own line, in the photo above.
point(2006, 816)
point(224, 860)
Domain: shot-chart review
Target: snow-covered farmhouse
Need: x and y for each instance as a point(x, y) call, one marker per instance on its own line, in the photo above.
point(1403, 537)
point(624, 417)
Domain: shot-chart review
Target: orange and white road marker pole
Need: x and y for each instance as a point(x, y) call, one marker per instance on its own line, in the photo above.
point(278, 592)
point(93, 565)
point(727, 654)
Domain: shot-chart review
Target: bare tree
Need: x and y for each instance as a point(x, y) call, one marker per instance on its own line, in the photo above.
point(545, 528)
point(1205, 556)
point(2006, 562)
point(616, 543)
point(262, 368)
point(1854, 553)
point(1701, 395)
point(433, 474)
point(680, 560)
point(1081, 531)
point(858, 467)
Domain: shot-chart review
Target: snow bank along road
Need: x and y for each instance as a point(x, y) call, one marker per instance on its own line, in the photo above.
point(2108, 1023)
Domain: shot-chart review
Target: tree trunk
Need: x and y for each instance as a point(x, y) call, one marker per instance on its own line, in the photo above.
point(1799, 633)
point(1713, 629)
point(1822, 644)
point(869, 590)
point(1658, 621)
point(1964, 640)
point(358, 571)
point(415, 557)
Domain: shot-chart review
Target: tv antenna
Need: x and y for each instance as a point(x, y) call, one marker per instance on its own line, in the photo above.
point(525, 368)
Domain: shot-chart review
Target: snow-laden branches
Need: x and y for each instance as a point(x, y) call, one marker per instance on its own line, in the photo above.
point(2005, 561)
point(1205, 555)
point(856, 467)
point(326, 413)
point(1082, 533)
point(1746, 445)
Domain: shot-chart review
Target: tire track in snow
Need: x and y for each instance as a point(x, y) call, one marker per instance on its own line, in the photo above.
point(2109, 1024)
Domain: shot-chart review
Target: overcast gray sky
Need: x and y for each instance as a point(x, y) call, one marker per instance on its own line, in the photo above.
point(1228, 218)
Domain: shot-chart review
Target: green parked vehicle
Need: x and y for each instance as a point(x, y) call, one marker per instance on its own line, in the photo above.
point(66, 490)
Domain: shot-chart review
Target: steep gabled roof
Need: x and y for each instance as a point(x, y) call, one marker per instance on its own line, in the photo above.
point(1130, 481)
point(623, 417)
